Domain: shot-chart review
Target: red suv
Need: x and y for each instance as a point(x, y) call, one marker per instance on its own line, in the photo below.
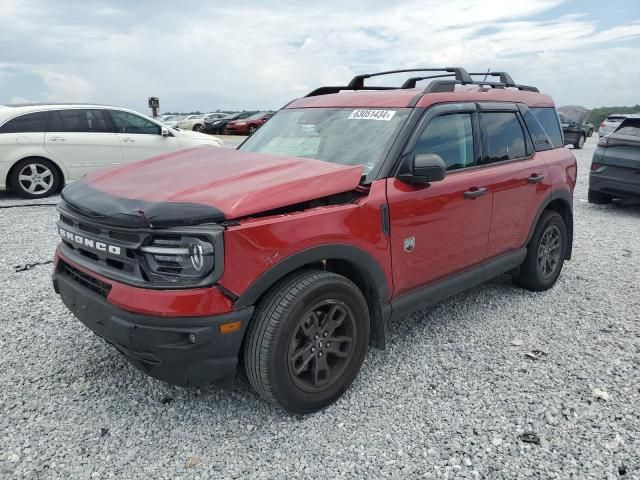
point(248, 125)
point(352, 206)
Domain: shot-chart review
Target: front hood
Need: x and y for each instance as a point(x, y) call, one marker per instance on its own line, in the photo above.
point(205, 185)
point(199, 136)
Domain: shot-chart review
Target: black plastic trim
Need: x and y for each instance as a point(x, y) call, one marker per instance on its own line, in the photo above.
point(438, 291)
point(182, 350)
point(566, 197)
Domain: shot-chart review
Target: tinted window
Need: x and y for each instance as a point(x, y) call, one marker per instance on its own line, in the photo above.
point(630, 128)
point(27, 123)
point(78, 120)
point(451, 137)
point(504, 137)
point(129, 123)
point(549, 121)
point(540, 138)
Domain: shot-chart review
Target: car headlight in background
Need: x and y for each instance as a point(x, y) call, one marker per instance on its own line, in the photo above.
point(178, 258)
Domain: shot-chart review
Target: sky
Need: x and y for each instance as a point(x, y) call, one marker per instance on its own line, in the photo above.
point(198, 55)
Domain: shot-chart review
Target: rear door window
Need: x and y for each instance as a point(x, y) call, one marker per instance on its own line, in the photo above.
point(504, 137)
point(548, 118)
point(79, 120)
point(27, 123)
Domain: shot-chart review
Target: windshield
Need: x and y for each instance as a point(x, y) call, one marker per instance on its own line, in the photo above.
point(345, 136)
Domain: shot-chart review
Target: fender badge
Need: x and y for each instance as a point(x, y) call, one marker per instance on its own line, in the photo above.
point(409, 244)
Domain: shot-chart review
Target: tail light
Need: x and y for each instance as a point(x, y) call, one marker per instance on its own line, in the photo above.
point(595, 166)
point(602, 125)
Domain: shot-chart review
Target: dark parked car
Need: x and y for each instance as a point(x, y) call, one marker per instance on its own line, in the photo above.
point(574, 125)
point(615, 168)
point(248, 126)
point(218, 126)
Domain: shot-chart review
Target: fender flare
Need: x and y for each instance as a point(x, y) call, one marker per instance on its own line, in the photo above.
point(363, 261)
point(565, 196)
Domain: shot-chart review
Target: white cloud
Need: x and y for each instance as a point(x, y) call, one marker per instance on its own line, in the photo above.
point(246, 56)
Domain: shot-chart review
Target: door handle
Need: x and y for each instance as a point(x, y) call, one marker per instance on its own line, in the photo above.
point(57, 139)
point(535, 178)
point(127, 139)
point(475, 192)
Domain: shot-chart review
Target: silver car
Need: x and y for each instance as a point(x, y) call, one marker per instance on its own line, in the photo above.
point(610, 123)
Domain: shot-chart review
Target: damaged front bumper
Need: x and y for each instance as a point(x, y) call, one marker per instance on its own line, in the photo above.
point(183, 351)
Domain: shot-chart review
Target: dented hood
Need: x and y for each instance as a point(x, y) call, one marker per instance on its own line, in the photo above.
point(204, 185)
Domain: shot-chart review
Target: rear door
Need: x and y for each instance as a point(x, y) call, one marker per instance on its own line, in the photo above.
point(83, 140)
point(519, 176)
point(441, 228)
point(141, 138)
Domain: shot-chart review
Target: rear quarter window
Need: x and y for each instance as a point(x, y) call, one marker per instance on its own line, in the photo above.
point(548, 119)
point(27, 123)
point(629, 128)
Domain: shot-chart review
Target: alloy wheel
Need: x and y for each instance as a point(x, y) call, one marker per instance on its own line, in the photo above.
point(322, 345)
point(36, 178)
point(549, 251)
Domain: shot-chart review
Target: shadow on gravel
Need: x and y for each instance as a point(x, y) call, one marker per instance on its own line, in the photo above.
point(626, 208)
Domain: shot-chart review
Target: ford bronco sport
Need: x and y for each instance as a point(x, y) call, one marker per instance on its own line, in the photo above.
point(352, 206)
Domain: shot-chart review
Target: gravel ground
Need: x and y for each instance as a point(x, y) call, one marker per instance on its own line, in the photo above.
point(451, 396)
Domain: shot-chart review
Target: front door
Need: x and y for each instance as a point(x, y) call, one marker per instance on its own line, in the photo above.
point(141, 138)
point(441, 228)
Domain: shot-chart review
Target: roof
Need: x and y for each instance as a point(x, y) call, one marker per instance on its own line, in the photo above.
point(403, 98)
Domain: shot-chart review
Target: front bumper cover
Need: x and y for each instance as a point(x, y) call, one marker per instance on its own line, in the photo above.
point(183, 351)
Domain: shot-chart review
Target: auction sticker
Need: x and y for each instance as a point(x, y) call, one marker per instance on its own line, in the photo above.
point(384, 115)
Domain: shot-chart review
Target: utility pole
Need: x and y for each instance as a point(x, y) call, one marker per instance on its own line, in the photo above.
point(154, 105)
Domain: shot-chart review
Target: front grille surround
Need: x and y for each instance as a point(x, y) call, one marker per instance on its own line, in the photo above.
point(130, 265)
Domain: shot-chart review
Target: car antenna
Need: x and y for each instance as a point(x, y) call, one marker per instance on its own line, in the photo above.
point(486, 74)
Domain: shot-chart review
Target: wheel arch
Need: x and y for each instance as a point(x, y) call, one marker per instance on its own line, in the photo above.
point(560, 201)
point(58, 167)
point(351, 262)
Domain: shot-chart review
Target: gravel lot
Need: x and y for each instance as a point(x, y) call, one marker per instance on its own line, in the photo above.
point(450, 397)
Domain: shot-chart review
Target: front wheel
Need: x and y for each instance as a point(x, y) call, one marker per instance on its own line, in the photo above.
point(35, 178)
point(197, 127)
point(252, 129)
point(580, 142)
point(545, 254)
point(307, 340)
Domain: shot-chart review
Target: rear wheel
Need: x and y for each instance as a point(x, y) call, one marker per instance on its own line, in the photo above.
point(252, 129)
point(580, 142)
point(35, 178)
point(307, 340)
point(197, 127)
point(598, 198)
point(545, 254)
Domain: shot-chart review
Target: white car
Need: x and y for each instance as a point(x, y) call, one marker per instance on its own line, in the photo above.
point(612, 122)
point(45, 146)
point(191, 122)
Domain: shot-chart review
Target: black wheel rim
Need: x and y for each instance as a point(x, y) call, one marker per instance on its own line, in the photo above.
point(322, 345)
point(549, 251)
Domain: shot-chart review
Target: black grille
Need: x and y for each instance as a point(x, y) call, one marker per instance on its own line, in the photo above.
point(93, 284)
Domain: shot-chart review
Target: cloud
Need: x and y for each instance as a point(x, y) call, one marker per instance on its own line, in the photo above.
point(199, 55)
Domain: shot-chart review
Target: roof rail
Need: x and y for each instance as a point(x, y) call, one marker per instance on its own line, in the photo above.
point(357, 82)
point(459, 77)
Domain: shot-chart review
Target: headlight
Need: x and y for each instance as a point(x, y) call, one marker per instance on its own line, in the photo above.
point(179, 258)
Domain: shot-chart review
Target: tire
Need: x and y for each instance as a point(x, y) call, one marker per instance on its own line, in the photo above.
point(543, 263)
point(580, 142)
point(252, 129)
point(598, 198)
point(197, 127)
point(35, 178)
point(292, 331)
point(590, 133)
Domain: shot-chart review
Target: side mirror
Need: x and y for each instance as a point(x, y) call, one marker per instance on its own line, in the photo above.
point(165, 132)
point(425, 168)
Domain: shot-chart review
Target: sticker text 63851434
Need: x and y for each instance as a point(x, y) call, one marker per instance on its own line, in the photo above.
point(384, 115)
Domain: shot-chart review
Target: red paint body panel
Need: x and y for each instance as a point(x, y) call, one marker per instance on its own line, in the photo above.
point(242, 127)
point(515, 201)
point(257, 245)
point(451, 232)
point(162, 303)
point(237, 183)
